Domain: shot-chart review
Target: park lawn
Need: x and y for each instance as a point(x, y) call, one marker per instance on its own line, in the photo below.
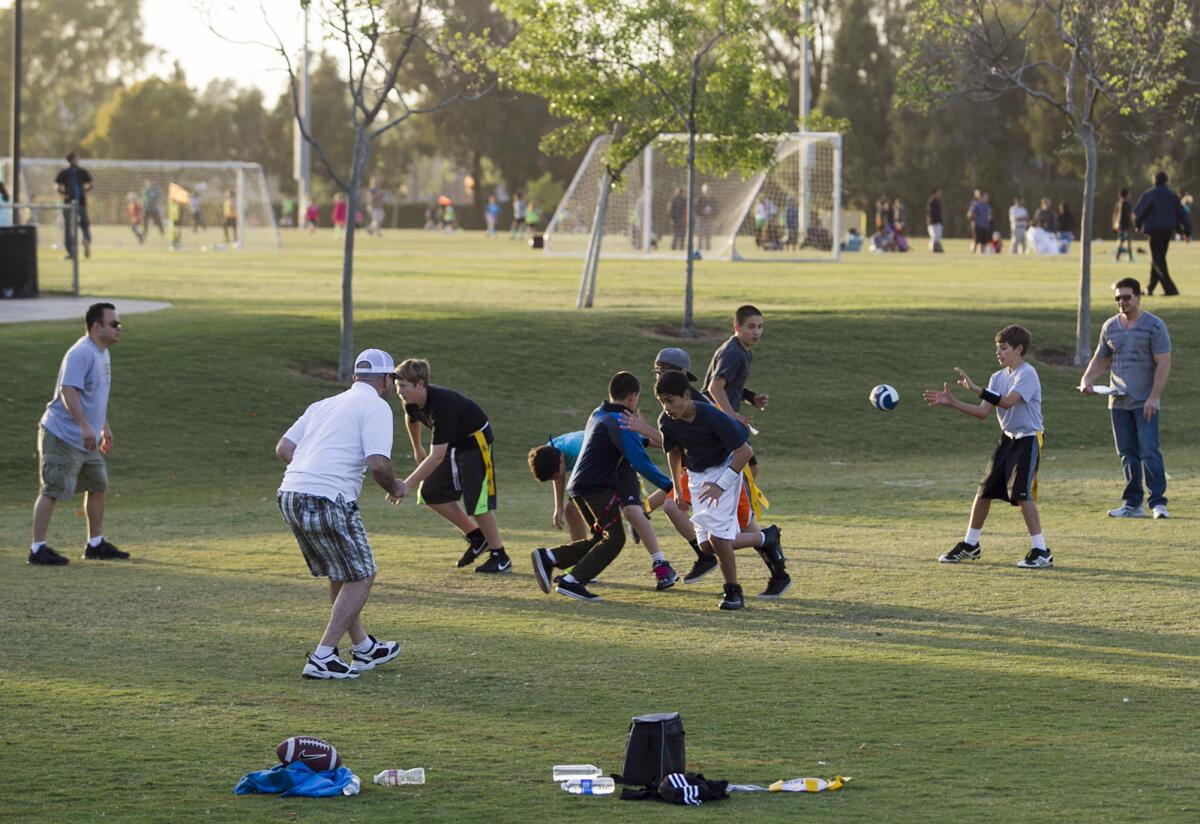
point(142, 691)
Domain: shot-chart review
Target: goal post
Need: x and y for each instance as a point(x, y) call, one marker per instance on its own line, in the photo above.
point(212, 187)
point(790, 211)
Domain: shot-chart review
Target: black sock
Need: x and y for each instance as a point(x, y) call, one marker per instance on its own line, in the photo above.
point(498, 551)
point(475, 536)
point(696, 549)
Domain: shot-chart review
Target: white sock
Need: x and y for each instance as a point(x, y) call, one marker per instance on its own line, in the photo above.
point(570, 579)
point(366, 644)
point(36, 545)
point(550, 556)
point(1039, 540)
point(323, 652)
point(95, 540)
point(658, 556)
point(973, 536)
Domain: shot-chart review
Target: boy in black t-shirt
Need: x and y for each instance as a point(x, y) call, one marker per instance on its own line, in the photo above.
point(458, 466)
point(714, 448)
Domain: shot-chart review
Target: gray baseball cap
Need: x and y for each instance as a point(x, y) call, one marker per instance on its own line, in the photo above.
point(678, 358)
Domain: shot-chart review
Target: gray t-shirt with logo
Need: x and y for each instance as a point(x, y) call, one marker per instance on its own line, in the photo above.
point(1132, 351)
point(87, 368)
point(1025, 418)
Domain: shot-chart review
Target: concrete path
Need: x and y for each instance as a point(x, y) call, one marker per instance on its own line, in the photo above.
point(26, 310)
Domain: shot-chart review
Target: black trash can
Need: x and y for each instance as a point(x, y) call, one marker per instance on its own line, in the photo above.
point(18, 262)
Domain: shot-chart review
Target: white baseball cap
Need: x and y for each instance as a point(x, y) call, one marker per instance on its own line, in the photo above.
point(374, 362)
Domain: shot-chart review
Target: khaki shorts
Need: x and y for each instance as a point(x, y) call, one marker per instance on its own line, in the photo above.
point(62, 467)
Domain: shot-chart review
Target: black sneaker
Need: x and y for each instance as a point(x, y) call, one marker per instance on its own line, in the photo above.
point(46, 556)
point(380, 653)
point(104, 551)
point(665, 575)
point(962, 552)
point(778, 585)
point(498, 564)
point(325, 669)
point(576, 590)
point(541, 569)
point(733, 597)
point(771, 544)
point(474, 550)
point(702, 567)
point(1037, 559)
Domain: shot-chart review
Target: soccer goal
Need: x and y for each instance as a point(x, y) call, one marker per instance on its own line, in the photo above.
point(790, 211)
point(186, 204)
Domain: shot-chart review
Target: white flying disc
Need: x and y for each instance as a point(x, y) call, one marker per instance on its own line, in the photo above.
point(1104, 390)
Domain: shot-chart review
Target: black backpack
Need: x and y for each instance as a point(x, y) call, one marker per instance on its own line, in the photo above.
point(654, 750)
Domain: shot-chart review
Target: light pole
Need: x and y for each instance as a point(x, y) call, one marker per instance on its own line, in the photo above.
point(14, 133)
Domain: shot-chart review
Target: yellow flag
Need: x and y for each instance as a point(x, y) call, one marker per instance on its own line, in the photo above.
point(177, 194)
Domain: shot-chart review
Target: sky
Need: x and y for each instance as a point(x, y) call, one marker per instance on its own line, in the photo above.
point(181, 29)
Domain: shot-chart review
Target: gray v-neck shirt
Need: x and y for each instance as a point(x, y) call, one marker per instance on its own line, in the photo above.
point(1132, 351)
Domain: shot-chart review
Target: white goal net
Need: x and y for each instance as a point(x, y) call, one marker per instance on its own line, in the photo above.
point(185, 204)
point(790, 211)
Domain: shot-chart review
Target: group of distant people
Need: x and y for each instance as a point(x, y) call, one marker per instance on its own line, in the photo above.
point(891, 221)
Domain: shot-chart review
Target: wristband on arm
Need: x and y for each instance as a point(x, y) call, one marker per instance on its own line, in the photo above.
point(990, 396)
point(728, 478)
point(747, 395)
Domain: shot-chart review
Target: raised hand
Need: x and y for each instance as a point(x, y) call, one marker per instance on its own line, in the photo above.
point(935, 398)
point(964, 380)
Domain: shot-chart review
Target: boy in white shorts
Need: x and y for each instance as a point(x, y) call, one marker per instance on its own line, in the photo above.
point(714, 447)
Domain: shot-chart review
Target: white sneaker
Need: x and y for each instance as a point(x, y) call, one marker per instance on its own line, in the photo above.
point(1127, 511)
point(380, 653)
point(331, 668)
point(1160, 511)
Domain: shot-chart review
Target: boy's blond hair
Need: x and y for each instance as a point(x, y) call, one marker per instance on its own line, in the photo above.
point(413, 370)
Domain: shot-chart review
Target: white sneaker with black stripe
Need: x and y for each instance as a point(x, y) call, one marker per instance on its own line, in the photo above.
point(1037, 559)
point(379, 653)
point(331, 668)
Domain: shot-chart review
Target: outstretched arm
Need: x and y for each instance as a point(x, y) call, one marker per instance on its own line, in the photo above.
point(945, 397)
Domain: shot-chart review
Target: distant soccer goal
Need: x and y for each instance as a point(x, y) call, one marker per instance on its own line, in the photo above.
point(188, 204)
point(790, 211)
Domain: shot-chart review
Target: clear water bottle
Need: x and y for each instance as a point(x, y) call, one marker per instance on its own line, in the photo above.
point(590, 786)
point(394, 777)
point(565, 772)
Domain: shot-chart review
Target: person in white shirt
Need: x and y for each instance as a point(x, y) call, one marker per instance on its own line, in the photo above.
point(327, 452)
point(1018, 220)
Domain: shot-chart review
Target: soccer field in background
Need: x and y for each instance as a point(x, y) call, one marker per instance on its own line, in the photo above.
point(141, 692)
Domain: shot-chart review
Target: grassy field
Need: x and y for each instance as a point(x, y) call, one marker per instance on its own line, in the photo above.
point(142, 691)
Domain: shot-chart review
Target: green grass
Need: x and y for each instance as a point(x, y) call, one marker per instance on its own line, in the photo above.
point(141, 692)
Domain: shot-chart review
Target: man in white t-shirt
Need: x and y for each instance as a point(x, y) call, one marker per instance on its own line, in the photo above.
point(327, 452)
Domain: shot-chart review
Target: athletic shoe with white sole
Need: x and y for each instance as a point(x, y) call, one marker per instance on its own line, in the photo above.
point(733, 598)
point(1037, 559)
point(576, 590)
point(474, 550)
point(1160, 512)
point(331, 668)
point(962, 552)
point(778, 585)
point(499, 563)
point(1127, 511)
point(380, 653)
point(704, 565)
point(541, 568)
point(665, 575)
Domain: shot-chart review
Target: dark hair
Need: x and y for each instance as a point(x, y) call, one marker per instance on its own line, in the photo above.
point(544, 462)
point(622, 385)
point(1015, 336)
point(671, 383)
point(1128, 283)
point(1161, 178)
point(95, 314)
point(744, 313)
point(1124, 191)
point(72, 156)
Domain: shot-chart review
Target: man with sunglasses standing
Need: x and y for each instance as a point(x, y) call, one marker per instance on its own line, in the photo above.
point(74, 436)
point(1135, 346)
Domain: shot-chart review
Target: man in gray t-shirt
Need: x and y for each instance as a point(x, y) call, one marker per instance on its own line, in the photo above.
point(1136, 348)
point(73, 436)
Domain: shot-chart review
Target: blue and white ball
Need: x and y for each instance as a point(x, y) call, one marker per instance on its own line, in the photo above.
point(885, 398)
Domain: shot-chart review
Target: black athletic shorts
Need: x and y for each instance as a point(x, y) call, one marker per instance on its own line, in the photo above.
point(1011, 475)
point(982, 235)
point(629, 489)
point(463, 475)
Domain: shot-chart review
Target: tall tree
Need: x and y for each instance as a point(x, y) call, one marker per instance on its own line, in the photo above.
point(1093, 62)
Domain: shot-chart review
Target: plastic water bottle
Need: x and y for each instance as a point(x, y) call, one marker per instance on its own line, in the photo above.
point(394, 777)
point(590, 786)
point(565, 772)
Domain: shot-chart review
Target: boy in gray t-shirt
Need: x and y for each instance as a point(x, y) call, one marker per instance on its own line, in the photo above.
point(1015, 392)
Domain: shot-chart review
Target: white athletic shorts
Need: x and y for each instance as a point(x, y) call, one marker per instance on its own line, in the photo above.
point(720, 518)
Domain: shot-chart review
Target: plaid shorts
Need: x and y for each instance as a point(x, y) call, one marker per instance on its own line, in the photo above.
point(330, 534)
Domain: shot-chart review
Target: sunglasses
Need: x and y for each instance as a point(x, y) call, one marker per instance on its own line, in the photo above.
point(115, 324)
point(1120, 298)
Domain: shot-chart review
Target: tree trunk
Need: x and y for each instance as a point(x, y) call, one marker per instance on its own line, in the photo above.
point(690, 216)
point(1083, 318)
point(346, 356)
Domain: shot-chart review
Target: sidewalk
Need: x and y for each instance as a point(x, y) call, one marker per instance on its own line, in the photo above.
point(26, 310)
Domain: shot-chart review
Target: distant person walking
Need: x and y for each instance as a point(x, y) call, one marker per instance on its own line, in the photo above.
point(678, 210)
point(1066, 227)
point(340, 213)
point(135, 214)
point(518, 221)
point(1044, 217)
point(1135, 348)
point(491, 213)
point(150, 208)
point(706, 211)
point(375, 207)
point(933, 214)
point(1159, 213)
point(74, 436)
point(1123, 225)
point(230, 214)
point(74, 182)
point(327, 451)
point(1018, 223)
point(980, 215)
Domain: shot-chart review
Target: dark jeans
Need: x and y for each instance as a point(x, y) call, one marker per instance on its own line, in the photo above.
point(1137, 444)
point(1159, 241)
point(602, 512)
point(85, 229)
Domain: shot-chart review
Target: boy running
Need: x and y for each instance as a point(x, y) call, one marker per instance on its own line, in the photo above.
point(458, 465)
point(1015, 392)
point(601, 491)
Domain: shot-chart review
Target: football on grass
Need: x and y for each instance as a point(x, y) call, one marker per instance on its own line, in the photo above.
point(317, 754)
